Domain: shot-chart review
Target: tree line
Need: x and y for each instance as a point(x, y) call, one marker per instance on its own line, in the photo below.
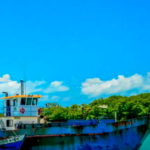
point(125, 107)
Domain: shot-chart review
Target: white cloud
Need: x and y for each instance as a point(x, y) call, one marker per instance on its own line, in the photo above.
point(66, 98)
point(56, 86)
point(33, 86)
point(13, 87)
point(5, 78)
point(95, 87)
point(146, 85)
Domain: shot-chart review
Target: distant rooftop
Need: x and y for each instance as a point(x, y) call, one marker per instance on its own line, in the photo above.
point(103, 106)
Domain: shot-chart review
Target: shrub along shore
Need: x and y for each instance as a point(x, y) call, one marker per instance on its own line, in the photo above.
point(125, 107)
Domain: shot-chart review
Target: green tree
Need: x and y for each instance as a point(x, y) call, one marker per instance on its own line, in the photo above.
point(126, 108)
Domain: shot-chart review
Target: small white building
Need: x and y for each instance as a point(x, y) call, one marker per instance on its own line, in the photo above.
point(103, 106)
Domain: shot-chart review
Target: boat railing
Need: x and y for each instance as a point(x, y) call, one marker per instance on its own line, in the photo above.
point(19, 111)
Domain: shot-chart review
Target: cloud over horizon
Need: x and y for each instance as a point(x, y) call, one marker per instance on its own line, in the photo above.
point(95, 87)
point(92, 87)
point(13, 87)
point(56, 86)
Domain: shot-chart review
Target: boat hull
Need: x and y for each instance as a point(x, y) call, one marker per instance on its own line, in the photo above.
point(12, 143)
point(125, 135)
point(128, 139)
point(12, 146)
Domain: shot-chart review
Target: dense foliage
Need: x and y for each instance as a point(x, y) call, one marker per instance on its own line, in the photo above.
point(126, 108)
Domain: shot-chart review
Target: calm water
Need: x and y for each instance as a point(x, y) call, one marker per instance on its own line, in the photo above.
point(146, 144)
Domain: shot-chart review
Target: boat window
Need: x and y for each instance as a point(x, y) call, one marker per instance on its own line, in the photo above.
point(34, 102)
point(9, 123)
point(29, 100)
point(23, 101)
point(15, 102)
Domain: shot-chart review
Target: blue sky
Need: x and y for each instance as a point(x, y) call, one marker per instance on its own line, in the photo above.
point(65, 43)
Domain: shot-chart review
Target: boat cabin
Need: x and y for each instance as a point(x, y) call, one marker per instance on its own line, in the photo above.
point(21, 105)
point(19, 109)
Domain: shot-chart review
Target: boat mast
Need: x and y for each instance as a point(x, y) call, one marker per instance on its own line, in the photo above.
point(22, 87)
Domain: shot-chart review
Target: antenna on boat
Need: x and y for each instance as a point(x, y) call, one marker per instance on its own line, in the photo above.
point(25, 79)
